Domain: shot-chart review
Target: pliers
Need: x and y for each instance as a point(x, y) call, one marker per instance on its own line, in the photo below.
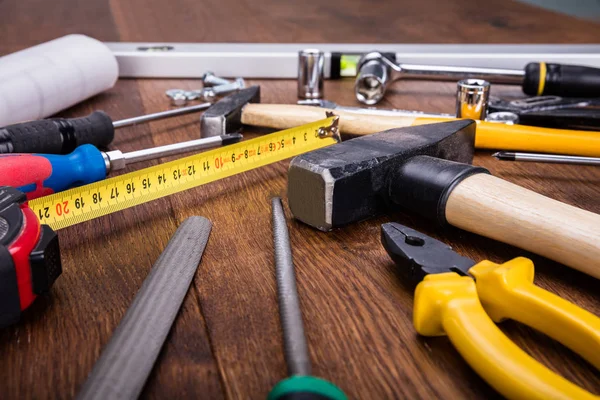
point(457, 297)
point(552, 111)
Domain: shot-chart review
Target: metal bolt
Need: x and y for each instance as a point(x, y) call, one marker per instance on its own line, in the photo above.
point(209, 79)
point(178, 97)
point(503, 117)
point(212, 92)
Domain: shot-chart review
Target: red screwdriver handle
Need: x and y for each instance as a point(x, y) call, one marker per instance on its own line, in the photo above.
point(42, 174)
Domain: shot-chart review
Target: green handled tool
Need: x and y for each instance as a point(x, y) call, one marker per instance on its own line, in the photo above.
point(301, 385)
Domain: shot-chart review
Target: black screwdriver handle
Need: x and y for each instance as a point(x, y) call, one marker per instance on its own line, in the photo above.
point(561, 80)
point(57, 135)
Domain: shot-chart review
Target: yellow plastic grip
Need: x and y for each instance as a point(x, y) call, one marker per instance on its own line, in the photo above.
point(448, 304)
point(543, 140)
point(496, 136)
point(507, 291)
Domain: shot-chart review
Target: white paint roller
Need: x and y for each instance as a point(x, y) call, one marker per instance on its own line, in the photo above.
point(40, 81)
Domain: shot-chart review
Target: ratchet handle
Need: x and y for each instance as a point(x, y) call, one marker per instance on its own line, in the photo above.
point(57, 135)
point(561, 80)
point(42, 174)
point(507, 291)
point(448, 304)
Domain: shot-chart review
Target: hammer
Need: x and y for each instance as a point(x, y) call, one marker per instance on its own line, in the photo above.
point(229, 114)
point(426, 170)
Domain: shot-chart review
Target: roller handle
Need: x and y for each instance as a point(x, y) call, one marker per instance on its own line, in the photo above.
point(57, 135)
point(561, 80)
point(448, 304)
point(42, 174)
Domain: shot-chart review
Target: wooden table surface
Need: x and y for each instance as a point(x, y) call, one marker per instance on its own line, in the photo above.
point(226, 341)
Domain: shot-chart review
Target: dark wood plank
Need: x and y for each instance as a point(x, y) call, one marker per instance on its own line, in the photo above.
point(30, 22)
point(226, 342)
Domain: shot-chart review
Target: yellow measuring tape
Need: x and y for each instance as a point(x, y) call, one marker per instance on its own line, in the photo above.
point(91, 201)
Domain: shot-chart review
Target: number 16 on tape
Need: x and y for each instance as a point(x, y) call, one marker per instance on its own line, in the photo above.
point(91, 201)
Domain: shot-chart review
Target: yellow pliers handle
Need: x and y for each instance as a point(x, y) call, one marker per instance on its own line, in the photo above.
point(454, 305)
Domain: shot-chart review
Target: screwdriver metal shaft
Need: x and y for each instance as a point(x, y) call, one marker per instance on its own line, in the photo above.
point(546, 158)
point(160, 115)
point(115, 160)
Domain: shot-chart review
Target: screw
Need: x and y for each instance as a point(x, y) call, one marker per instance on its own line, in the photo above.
point(178, 97)
point(210, 93)
point(209, 79)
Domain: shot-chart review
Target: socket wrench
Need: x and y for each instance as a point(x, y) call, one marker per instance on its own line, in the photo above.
point(376, 73)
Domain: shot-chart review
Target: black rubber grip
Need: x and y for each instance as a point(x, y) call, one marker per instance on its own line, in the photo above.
point(423, 184)
point(561, 80)
point(57, 135)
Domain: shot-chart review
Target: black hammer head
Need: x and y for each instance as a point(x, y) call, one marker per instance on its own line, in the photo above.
point(347, 182)
point(225, 115)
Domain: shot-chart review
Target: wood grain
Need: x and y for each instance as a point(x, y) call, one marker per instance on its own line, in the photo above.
point(226, 341)
point(283, 116)
point(528, 220)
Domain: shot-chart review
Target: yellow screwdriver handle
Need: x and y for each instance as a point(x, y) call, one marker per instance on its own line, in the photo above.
point(507, 291)
point(447, 304)
point(495, 136)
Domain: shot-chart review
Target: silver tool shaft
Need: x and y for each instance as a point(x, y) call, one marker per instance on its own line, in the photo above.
point(546, 158)
point(451, 73)
point(160, 115)
point(376, 72)
point(126, 362)
point(116, 160)
point(296, 349)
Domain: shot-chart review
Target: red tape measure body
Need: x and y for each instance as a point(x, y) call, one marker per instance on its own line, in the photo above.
point(29, 256)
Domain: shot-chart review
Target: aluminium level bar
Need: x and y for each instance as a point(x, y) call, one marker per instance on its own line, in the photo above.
point(261, 60)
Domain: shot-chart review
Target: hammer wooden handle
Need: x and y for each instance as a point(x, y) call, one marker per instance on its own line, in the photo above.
point(489, 135)
point(500, 210)
point(283, 116)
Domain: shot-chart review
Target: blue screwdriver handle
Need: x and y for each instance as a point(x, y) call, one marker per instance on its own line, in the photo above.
point(42, 174)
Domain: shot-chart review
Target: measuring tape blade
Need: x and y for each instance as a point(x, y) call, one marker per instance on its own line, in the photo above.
point(91, 201)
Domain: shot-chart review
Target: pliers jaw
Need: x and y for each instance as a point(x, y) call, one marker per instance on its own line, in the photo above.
point(418, 255)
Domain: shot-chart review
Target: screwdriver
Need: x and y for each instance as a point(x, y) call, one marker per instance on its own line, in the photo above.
point(301, 385)
point(42, 174)
point(546, 158)
point(63, 135)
